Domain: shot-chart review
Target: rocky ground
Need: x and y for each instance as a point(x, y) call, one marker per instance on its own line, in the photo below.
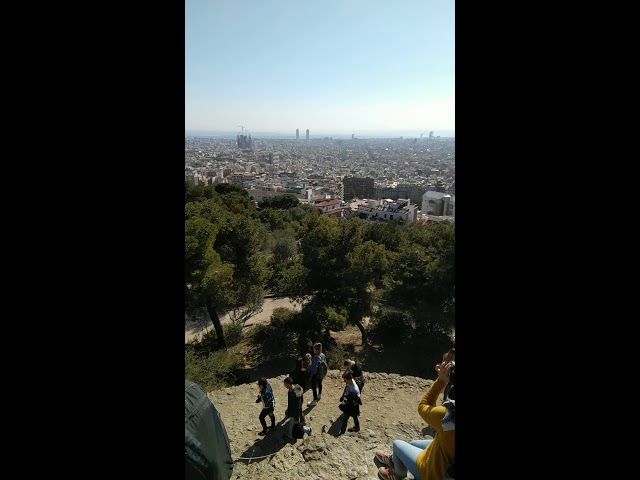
point(389, 412)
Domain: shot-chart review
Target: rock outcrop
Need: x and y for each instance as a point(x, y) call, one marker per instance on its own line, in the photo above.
point(389, 411)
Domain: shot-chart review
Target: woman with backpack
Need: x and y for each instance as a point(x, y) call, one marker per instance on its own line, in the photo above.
point(318, 370)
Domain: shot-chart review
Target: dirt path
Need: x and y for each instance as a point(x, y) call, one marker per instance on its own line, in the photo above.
point(193, 330)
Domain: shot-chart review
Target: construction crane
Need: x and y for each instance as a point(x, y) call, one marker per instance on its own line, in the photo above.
point(241, 126)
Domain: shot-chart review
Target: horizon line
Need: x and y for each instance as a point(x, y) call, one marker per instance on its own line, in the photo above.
point(322, 133)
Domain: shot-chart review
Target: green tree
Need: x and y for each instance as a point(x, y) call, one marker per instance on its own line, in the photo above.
point(421, 278)
point(224, 265)
point(194, 193)
point(342, 269)
point(284, 248)
point(282, 202)
point(207, 279)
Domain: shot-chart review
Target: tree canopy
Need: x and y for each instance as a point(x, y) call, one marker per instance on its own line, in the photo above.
point(342, 270)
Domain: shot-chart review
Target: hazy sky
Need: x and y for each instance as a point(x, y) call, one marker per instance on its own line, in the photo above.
point(332, 66)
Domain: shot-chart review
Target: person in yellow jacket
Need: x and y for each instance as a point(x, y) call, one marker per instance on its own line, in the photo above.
point(427, 459)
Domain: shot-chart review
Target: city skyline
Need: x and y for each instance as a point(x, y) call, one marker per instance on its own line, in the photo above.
point(361, 67)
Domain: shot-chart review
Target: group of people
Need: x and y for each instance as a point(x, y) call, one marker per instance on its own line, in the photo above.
point(426, 459)
point(308, 372)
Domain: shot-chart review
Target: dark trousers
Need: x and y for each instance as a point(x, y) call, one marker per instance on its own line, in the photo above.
point(316, 386)
point(264, 413)
point(345, 420)
point(360, 383)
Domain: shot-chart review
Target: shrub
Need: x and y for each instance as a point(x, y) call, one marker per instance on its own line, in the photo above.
point(336, 356)
point(260, 332)
point(232, 333)
point(282, 317)
point(211, 372)
point(288, 319)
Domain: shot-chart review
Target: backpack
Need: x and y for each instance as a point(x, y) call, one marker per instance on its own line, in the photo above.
point(323, 367)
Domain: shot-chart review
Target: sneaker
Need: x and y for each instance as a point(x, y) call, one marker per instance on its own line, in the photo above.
point(384, 458)
point(309, 432)
point(312, 403)
point(353, 429)
point(387, 473)
point(263, 432)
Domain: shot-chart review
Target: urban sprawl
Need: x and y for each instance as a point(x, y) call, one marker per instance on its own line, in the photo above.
point(379, 179)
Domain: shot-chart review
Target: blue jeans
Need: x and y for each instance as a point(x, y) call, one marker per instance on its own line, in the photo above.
point(405, 455)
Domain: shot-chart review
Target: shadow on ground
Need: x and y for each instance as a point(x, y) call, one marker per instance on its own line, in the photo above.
point(334, 429)
point(264, 447)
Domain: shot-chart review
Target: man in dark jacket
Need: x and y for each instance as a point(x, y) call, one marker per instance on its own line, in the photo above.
point(298, 378)
point(294, 407)
point(207, 454)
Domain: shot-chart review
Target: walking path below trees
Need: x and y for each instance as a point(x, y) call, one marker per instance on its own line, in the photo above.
point(195, 330)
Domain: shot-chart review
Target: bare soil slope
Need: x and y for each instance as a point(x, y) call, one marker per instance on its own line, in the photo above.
point(389, 412)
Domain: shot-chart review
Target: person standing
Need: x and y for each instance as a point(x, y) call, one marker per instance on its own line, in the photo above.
point(307, 374)
point(350, 404)
point(268, 405)
point(294, 408)
point(316, 379)
point(298, 377)
point(353, 369)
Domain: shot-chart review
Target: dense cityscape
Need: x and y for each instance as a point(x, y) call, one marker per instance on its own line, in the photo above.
point(381, 179)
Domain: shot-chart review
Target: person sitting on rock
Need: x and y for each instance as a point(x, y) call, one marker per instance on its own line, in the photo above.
point(268, 404)
point(427, 459)
point(350, 404)
point(354, 370)
point(294, 408)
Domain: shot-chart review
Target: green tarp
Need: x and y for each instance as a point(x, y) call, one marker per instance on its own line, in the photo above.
point(207, 455)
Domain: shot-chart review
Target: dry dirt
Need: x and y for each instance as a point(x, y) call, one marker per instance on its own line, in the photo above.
point(389, 412)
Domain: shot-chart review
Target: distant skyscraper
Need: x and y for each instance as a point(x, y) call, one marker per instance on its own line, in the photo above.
point(307, 134)
point(352, 136)
point(430, 134)
point(297, 134)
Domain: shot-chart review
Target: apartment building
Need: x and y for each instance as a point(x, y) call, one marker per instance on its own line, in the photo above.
point(439, 204)
point(388, 210)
